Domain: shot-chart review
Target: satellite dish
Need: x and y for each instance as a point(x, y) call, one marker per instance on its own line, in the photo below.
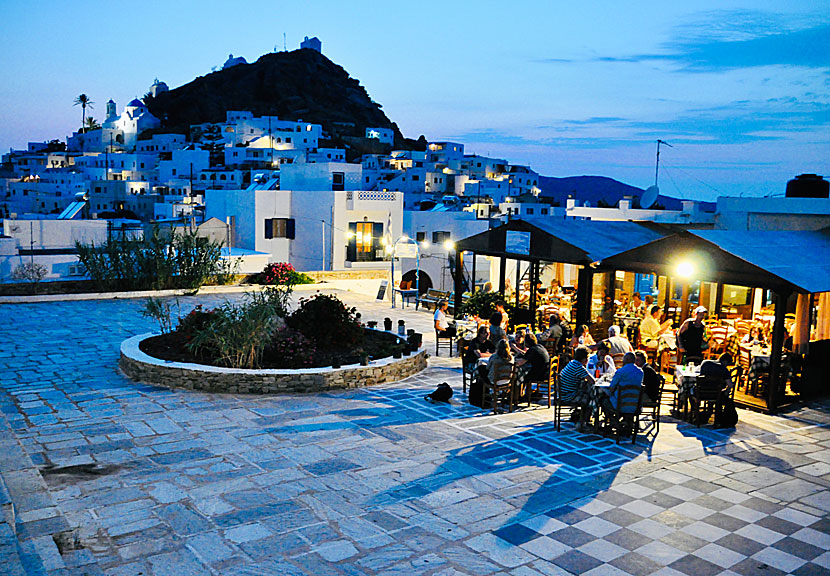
point(649, 197)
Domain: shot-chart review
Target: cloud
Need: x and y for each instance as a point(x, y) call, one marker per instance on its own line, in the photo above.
point(808, 48)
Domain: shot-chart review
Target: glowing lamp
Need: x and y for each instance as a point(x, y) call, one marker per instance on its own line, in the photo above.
point(425, 243)
point(685, 269)
point(449, 244)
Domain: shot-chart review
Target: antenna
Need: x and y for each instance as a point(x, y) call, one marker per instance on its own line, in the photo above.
point(657, 166)
point(284, 45)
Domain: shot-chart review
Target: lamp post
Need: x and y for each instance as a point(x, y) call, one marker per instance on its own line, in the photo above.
point(406, 247)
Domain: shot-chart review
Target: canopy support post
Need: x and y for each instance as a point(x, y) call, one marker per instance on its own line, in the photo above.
point(777, 345)
point(459, 282)
point(584, 289)
point(502, 274)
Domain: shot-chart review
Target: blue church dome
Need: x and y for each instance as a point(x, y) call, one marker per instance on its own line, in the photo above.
point(136, 103)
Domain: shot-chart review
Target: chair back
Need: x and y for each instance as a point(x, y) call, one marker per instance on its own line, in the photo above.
point(743, 326)
point(744, 358)
point(719, 334)
point(735, 374)
point(708, 388)
point(503, 373)
point(552, 348)
point(618, 360)
point(629, 399)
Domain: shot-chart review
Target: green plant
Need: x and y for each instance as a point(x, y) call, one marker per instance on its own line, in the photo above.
point(157, 261)
point(161, 311)
point(31, 272)
point(237, 334)
point(327, 321)
point(483, 304)
point(283, 274)
point(291, 349)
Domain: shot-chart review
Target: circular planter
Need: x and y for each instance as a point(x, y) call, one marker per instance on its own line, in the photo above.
point(141, 367)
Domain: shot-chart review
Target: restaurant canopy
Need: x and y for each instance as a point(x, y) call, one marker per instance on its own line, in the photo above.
point(567, 241)
point(784, 261)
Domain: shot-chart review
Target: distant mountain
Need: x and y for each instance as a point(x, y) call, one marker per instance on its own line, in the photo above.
point(597, 189)
point(302, 84)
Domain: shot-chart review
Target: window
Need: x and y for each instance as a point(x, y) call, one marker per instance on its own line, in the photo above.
point(174, 171)
point(223, 177)
point(530, 211)
point(415, 177)
point(440, 237)
point(279, 228)
point(288, 140)
point(364, 238)
point(420, 236)
point(338, 181)
point(544, 211)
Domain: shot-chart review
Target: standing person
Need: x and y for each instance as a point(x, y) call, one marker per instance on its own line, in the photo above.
point(504, 319)
point(691, 337)
point(574, 383)
point(496, 331)
point(651, 379)
point(442, 325)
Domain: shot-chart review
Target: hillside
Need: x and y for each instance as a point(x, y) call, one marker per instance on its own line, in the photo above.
point(595, 189)
point(302, 84)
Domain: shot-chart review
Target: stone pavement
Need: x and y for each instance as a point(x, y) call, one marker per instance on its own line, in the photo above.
point(113, 477)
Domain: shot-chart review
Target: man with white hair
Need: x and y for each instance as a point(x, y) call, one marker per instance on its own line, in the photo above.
point(618, 344)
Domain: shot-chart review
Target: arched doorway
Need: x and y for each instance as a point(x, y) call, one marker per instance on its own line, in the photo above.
point(424, 281)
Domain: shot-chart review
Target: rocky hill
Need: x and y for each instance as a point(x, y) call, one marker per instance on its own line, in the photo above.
point(599, 190)
point(302, 84)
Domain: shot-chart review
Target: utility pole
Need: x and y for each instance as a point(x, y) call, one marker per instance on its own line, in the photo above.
point(657, 166)
point(323, 246)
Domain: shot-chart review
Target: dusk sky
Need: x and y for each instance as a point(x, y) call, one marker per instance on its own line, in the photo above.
point(740, 89)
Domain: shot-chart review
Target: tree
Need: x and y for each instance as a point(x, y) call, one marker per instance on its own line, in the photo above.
point(91, 124)
point(84, 101)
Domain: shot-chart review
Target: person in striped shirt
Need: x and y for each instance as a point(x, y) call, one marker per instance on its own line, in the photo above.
point(574, 383)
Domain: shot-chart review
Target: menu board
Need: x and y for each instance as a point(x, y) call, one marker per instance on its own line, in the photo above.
point(517, 242)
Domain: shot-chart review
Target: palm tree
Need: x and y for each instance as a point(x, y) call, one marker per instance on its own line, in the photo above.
point(83, 101)
point(91, 124)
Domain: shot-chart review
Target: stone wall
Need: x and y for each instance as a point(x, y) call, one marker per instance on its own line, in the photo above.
point(139, 366)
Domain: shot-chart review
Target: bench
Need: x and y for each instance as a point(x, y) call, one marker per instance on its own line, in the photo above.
point(433, 297)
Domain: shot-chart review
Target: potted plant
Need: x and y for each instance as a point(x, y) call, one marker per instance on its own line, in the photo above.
point(387, 324)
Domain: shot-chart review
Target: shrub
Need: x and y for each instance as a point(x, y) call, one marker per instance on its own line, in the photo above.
point(483, 304)
point(161, 311)
point(238, 334)
point(291, 349)
point(31, 272)
point(196, 320)
point(327, 321)
point(155, 262)
point(283, 274)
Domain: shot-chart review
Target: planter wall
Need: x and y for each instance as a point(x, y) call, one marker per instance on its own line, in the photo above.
point(139, 366)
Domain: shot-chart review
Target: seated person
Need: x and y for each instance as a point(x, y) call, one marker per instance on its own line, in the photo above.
point(618, 344)
point(651, 379)
point(624, 392)
point(496, 331)
point(754, 337)
point(718, 372)
point(636, 306)
point(651, 329)
point(601, 363)
point(442, 325)
point(582, 337)
point(554, 332)
point(518, 343)
point(479, 347)
point(574, 383)
point(536, 361)
point(498, 361)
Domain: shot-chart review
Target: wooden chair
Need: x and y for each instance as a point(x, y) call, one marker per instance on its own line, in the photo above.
point(466, 375)
point(745, 362)
point(650, 409)
point(666, 371)
point(618, 360)
point(559, 404)
point(505, 384)
point(623, 418)
point(448, 342)
point(545, 387)
point(717, 341)
point(743, 326)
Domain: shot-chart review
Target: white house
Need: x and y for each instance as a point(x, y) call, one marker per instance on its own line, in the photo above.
point(383, 135)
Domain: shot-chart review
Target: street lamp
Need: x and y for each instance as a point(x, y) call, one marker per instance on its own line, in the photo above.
point(405, 247)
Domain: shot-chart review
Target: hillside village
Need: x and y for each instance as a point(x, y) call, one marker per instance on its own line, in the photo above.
point(325, 195)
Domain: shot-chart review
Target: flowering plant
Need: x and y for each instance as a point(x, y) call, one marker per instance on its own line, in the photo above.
point(195, 321)
point(279, 273)
point(290, 349)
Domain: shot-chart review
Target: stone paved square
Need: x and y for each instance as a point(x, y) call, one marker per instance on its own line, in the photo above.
point(115, 477)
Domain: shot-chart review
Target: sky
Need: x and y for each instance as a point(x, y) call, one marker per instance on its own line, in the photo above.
point(741, 90)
